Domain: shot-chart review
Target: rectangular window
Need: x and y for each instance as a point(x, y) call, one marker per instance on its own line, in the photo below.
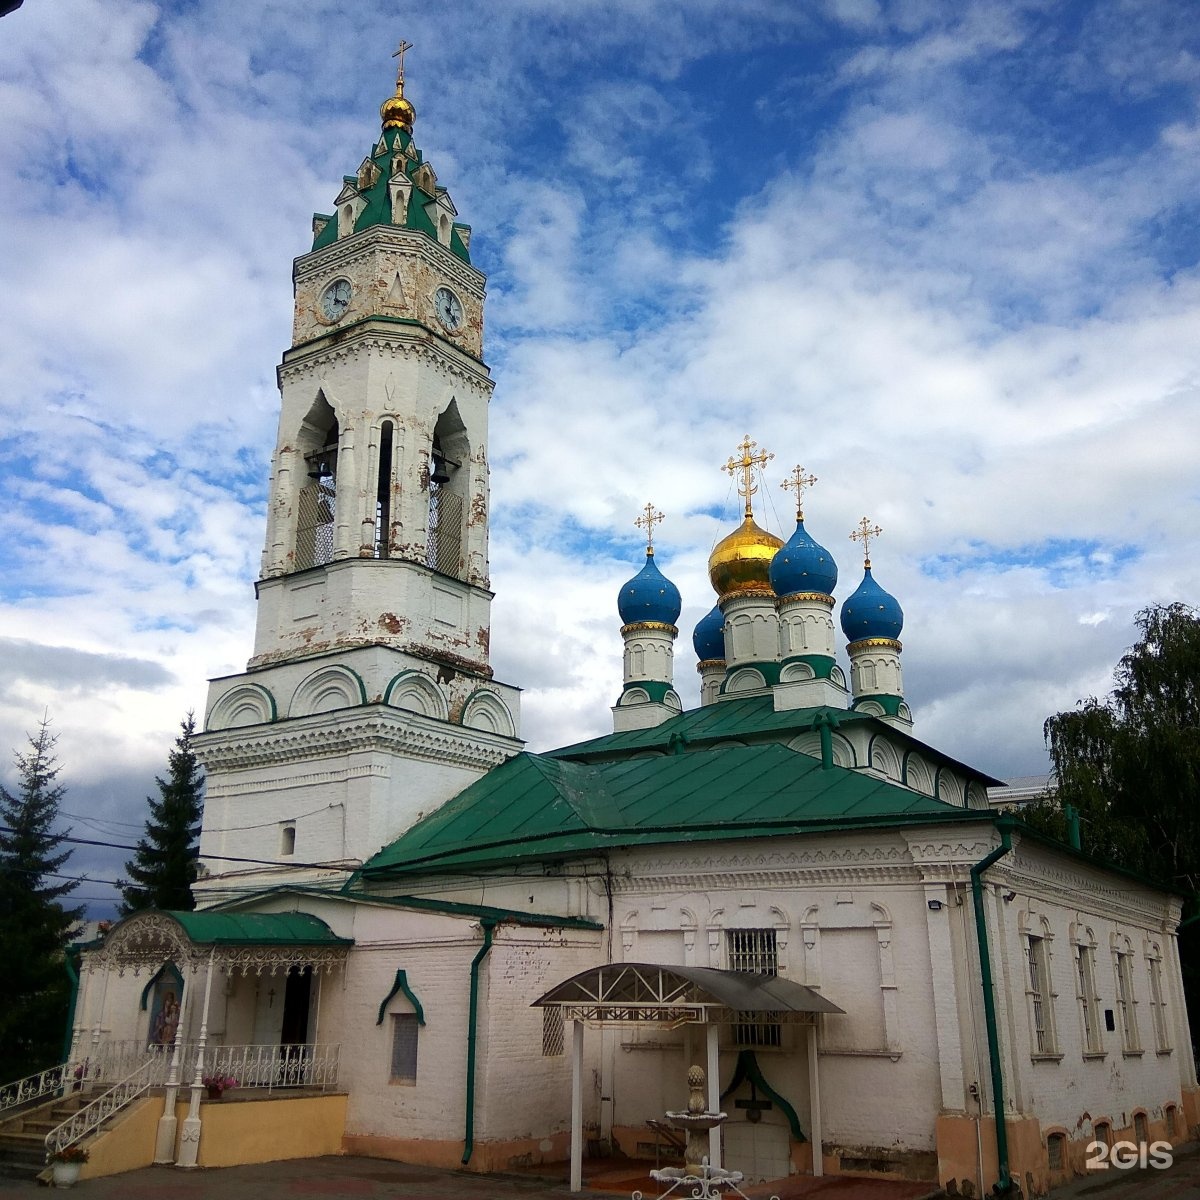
point(1039, 995)
point(1158, 1006)
point(404, 1048)
point(754, 951)
point(1125, 1005)
point(552, 1032)
point(1089, 1004)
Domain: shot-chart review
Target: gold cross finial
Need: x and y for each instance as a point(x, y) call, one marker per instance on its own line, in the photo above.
point(863, 532)
point(647, 521)
point(399, 54)
point(745, 465)
point(798, 481)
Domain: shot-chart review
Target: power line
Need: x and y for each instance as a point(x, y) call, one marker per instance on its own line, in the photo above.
point(263, 862)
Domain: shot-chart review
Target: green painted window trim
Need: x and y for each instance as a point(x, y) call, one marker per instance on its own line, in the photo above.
point(768, 670)
point(747, 1069)
point(400, 984)
point(821, 664)
point(655, 689)
point(889, 704)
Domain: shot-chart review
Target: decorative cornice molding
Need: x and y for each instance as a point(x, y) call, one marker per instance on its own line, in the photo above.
point(385, 341)
point(389, 237)
point(874, 643)
point(390, 731)
point(806, 597)
point(649, 627)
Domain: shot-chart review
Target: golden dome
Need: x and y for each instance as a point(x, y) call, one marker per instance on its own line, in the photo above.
point(397, 111)
point(741, 562)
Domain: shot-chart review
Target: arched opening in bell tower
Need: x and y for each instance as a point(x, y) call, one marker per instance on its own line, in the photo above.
point(316, 503)
point(449, 479)
point(383, 493)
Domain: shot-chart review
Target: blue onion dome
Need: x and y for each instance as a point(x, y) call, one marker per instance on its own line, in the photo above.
point(803, 565)
point(871, 612)
point(649, 596)
point(708, 638)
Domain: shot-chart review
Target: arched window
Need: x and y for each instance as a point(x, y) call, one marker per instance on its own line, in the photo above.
point(449, 480)
point(287, 841)
point(316, 508)
point(383, 493)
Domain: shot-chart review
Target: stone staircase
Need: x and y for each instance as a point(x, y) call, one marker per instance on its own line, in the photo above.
point(23, 1135)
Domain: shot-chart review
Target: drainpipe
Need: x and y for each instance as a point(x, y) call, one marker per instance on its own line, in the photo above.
point(1004, 826)
point(825, 723)
point(1072, 815)
point(489, 924)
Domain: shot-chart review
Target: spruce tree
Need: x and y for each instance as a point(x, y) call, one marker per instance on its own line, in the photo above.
point(164, 863)
point(34, 923)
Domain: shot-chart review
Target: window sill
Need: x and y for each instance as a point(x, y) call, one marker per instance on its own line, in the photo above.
point(1095, 1055)
point(1165, 1053)
point(892, 1054)
point(1132, 1053)
point(1048, 1056)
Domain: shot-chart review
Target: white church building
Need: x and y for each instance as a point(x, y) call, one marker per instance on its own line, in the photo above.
point(415, 939)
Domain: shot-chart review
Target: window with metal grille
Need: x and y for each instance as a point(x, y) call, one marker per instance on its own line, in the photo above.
point(1056, 1145)
point(1089, 1004)
point(1141, 1131)
point(1125, 1003)
point(1103, 1133)
point(1158, 1006)
point(552, 1032)
point(754, 951)
point(1170, 1115)
point(404, 1048)
point(1040, 1013)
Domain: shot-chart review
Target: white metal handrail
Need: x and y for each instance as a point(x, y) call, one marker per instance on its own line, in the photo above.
point(33, 1087)
point(93, 1115)
point(271, 1066)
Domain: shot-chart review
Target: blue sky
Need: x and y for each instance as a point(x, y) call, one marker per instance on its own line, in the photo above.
point(943, 254)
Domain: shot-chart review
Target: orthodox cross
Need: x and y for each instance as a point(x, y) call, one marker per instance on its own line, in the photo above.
point(745, 465)
point(647, 521)
point(399, 54)
point(863, 532)
point(798, 481)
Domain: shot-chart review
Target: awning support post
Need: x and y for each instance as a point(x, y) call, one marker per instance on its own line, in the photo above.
point(814, 1102)
point(189, 1137)
point(576, 1106)
point(714, 1093)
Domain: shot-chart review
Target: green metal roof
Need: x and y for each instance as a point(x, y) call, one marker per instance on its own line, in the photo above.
point(750, 718)
point(535, 806)
point(378, 205)
point(258, 929)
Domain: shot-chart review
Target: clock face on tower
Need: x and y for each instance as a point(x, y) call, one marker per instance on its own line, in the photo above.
point(448, 308)
point(335, 299)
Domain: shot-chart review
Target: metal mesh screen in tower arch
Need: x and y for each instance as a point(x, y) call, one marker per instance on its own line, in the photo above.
point(315, 518)
point(444, 548)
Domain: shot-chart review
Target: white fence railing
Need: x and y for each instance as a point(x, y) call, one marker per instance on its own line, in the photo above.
point(309, 1065)
point(32, 1087)
point(91, 1116)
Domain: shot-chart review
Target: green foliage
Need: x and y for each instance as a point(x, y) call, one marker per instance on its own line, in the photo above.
point(164, 864)
point(34, 922)
point(1131, 765)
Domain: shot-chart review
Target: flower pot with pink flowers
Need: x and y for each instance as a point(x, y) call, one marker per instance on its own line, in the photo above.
point(218, 1085)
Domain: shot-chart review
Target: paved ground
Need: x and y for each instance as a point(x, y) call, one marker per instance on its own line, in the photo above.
point(354, 1178)
point(368, 1177)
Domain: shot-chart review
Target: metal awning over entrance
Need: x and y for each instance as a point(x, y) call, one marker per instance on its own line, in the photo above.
point(646, 993)
point(652, 994)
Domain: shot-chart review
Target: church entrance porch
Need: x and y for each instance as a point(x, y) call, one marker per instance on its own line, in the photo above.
point(204, 1005)
point(639, 994)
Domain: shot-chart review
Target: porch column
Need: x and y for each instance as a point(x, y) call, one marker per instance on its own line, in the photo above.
point(83, 1002)
point(164, 1141)
point(576, 1106)
point(189, 1142)
point(814, 1101)
point(714, 1093)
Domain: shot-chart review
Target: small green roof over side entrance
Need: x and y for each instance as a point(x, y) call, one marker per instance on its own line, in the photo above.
point(534, 806)
point(258, 929)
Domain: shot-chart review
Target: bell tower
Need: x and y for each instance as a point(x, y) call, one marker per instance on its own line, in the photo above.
point(369, 689)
